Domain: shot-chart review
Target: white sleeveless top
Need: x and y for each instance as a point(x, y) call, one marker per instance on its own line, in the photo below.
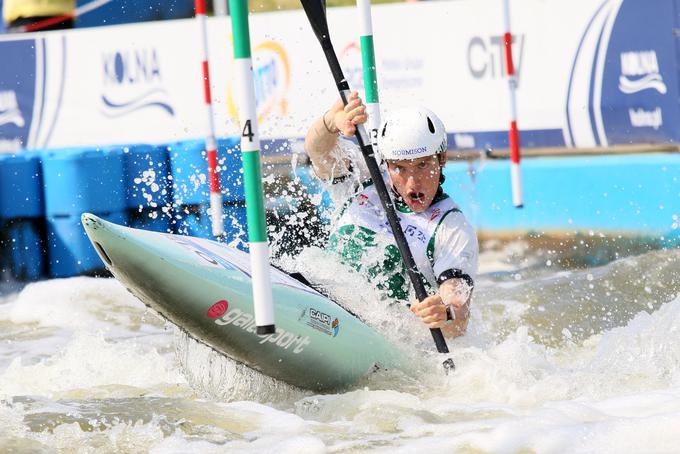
point(442, 242)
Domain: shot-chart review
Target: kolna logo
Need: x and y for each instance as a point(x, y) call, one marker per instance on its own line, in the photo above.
point(640, 71)
point(9, 109)
point(132, 82)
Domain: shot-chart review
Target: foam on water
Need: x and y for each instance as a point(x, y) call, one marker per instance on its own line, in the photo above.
point(99, 363)
point(216, 376)
point(555, 361)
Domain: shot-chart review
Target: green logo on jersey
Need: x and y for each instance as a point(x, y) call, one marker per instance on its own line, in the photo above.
point(358, 248)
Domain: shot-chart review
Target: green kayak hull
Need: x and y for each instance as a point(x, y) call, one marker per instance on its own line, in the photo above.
point(204, 287)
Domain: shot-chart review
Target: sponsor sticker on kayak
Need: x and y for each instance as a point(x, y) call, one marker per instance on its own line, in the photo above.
point(218, 309)
point(320, 321)
point(282, 338)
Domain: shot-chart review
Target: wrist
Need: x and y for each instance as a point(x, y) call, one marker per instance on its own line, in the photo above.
point(330, 125)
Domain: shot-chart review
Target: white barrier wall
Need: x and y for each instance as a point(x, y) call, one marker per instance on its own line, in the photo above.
point(590, 73)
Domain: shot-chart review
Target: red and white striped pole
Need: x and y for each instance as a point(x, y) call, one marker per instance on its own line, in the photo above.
point(513, 133)
point(210, 142)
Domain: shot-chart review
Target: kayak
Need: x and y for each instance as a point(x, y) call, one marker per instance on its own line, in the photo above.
point(204, 287)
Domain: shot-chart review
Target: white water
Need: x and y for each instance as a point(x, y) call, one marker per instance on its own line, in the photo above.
point(555, 361)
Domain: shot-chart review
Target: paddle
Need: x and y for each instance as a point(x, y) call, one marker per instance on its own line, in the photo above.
point(316, 13)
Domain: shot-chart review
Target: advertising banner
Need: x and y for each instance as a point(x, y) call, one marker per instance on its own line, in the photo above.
point(590, 73)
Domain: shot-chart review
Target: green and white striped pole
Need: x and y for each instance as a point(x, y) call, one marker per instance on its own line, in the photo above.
point(368, 63)
point(252, 169)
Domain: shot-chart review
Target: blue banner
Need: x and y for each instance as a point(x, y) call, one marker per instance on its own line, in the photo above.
point(640, 80)
point(18, 92)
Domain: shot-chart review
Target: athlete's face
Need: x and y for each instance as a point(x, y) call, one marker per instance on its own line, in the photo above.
point(417, 180)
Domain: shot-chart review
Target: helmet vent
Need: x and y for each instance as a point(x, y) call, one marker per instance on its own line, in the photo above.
point(430, 125)
point(384, 129)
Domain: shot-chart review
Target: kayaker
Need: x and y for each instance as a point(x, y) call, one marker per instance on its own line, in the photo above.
point(444, 245)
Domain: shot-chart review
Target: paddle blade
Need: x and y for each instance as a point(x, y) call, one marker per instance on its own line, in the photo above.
point(316, 13)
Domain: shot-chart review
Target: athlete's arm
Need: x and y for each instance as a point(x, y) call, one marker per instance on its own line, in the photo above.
point(321, 141)
point(455, 266)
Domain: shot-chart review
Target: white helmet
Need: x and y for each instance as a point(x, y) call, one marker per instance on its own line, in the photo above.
point(411, 133)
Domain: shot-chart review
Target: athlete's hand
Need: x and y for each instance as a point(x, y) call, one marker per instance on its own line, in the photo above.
point(431, 311)
point(345, 118)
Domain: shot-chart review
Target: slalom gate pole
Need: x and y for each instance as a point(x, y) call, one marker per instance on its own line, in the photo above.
point(84, 9)
point(513, 132)
point(210, 142)
point(316, 13)
point(252, 177)
point(370, 73)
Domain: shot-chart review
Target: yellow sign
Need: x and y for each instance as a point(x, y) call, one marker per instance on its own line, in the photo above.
point(271, 75)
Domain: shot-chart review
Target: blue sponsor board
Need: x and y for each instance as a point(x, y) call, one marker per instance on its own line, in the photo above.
point(640, 80)
point(482, 140)
point(623, 85)
point(17, 92)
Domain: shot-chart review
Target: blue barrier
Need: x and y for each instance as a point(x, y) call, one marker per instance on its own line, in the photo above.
point(83, 179)
point(231, 173)
point(70, 251)
point(148, 187)
point(153, 220)
point(21, 211)
point(189, 166)
point(191, 188)
point(317, 195)
point(79, 180)
point(190, 171)
point(20, 186)
point(21, 248)
point(147, 181)
point(194, 221)
point(631, 193)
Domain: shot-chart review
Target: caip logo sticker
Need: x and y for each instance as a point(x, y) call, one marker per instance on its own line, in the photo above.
point(133, 81)
point(271, 75)
point(640, 71)
point(323, 322)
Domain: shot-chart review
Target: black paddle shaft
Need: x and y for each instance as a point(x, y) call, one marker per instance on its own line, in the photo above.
point(315, 10)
